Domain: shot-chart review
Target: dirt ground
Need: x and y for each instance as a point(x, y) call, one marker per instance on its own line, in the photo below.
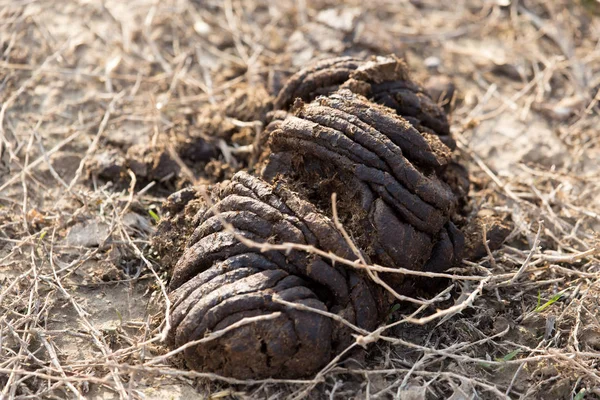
point(108, 106)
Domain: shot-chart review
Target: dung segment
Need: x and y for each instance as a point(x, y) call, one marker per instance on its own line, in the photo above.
point(401, 208)
point(383, 80)
point(219, 280)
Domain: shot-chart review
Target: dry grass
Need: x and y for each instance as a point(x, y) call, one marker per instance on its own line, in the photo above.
point(82, 316)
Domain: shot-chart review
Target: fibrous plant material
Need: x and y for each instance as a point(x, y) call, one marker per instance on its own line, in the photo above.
point(219, 280)
point(232, 245)
point(384, 80)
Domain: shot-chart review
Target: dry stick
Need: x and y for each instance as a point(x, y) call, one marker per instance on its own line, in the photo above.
point(66, 71)
point(186, 171)
point(14, 283)
point(93, 332)
point(490, 388)
point(233, 28)
point(583, 368)
point(48, 163)
point(94, 144)
point(568, 258)
point(153, 47)
point(56, 363)
point(441, 295)
point(32, 304)
point(85, 379)
point(514, 379)
point(204, 375)
point(355, 264)
point(12, 372)
point(561, 258)
point(131, 193)
point(30, 322)
point(462, 145)
point(9, 102)
point(563, 41)
point(24, 183)
point(163, 289)
point(122, 353)
point(466, 345)
point(24, 353)
point(512, 100)
point(518, 371)
point(454, 309)
point(413, 368)
point(447, 354)
point(376, 334)
point(561, 224)
point(568, 271)
point(575, 332)
point(373, 275)
point(482, 102)
point(487, 247)
point(227, 154)
point(149, 265)
point(40, 160)
point(534, 248)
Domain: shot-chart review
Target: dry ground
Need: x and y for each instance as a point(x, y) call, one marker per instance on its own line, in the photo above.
point(90, 85)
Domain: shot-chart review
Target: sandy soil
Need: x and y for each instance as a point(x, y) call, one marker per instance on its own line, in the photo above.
point(109, 106)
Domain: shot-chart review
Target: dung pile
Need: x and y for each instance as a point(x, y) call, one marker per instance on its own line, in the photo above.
point(363, 130)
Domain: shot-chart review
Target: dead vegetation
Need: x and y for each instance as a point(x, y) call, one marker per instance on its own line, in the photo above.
point(81, 296)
